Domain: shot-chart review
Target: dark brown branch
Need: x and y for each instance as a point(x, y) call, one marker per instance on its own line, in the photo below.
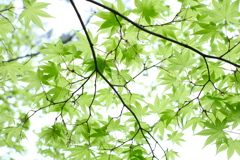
point(230, 50)
point(163, 37)
point(108, 82)
point(25, 56)
point(62, 37)
point(86, 33)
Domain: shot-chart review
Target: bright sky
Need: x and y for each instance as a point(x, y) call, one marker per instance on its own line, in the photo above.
point(66, 20)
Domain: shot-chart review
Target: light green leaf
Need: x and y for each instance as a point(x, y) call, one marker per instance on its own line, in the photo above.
point(33, 12)
point(6, 27)
point(10, 71)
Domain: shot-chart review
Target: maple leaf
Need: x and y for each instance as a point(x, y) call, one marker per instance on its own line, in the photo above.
point(10, 70)
point(33, 12)
point(6, 27)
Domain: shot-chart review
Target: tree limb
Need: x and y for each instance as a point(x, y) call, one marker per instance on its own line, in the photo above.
point(163, 37)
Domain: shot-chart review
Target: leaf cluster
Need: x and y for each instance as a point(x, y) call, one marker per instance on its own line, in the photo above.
point(143, 77)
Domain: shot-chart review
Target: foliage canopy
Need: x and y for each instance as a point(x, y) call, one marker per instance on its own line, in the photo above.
point(145, 75)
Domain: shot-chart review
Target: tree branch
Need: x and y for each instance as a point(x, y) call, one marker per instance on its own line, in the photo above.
point(163, 37)
point(109, 83)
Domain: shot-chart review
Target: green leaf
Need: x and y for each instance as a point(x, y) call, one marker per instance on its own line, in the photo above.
point(34, 79)
point(10, 71)
point(80, 152)
point(151, 76)
point(55, 135)
point(215, 132)
point(33, 12)
point(6, 27)
point(233, 147)
point(50, 70)
point(159, 105)
point(172, 154)
point(83, 45)
point(13, 132)
point(148, 9)
point(175, 137)
point(168, 116)
point(58, 93)
point(120, 6)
